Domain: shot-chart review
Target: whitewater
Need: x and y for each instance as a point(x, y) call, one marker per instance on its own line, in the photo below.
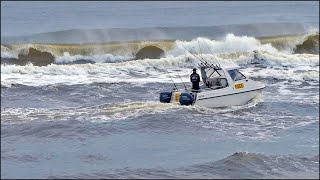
point(80, 97)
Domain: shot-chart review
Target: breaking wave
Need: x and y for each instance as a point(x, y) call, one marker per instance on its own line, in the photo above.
point(44, 64)
point(44, 54)
point(20, 54)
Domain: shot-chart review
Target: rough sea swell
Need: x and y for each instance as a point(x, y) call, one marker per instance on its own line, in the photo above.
point(44, 64)
point(44, 54)
point(167, 140)
point(240, 164)
point(84, 103)
point(108, 93)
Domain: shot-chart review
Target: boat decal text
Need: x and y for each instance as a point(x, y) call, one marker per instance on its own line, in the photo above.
point(239, 86)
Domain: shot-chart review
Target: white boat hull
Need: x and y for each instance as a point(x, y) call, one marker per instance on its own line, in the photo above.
point(235, 99)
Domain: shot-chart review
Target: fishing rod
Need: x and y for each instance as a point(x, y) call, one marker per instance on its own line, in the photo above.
point(195, 56)
point(213, 66)
point(172, 80)
point(200, 51)
point(211, 53)
point(185, 87)
point(215, 59)
point(205, 62)
point(169, 76)
point(202, 61)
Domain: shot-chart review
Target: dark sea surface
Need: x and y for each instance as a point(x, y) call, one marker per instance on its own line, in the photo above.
point(102, 118)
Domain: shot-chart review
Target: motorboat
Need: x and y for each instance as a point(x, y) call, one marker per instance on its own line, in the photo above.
point(222, 87)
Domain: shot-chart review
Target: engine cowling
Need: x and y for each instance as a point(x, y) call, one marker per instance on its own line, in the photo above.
point(165, 97)
point(186, 99)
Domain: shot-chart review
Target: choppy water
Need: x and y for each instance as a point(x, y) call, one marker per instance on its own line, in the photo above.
point(103, 119)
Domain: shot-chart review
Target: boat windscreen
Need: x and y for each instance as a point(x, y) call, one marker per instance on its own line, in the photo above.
point(211, 73)
point(236, 75)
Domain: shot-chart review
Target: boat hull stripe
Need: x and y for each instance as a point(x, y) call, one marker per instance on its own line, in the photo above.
point(229, 94)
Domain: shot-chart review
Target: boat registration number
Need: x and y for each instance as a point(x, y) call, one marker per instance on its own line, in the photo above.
point(239, 86)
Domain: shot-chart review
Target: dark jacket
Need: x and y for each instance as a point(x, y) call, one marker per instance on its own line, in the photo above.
point(195, 79)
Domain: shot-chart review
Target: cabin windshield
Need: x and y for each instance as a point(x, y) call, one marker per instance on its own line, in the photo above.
point(213, 78)
point(207, 72)
point(213, 74)
point(236, 75)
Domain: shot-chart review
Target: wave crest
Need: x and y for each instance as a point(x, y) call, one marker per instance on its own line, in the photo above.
point(45, 54)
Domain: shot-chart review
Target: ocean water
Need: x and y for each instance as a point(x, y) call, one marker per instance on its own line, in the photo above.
point(76, 102)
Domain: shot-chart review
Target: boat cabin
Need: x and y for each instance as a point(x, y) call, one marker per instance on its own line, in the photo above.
point(215, 77)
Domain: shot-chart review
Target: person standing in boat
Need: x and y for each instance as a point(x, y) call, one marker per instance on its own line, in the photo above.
point(195, 79)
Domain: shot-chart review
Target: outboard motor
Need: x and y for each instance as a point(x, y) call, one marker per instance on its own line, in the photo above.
point(165, 97)
point(186, 99)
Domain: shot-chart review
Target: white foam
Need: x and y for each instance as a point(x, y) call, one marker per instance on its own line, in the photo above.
point(86, 73)
point(67, 58)
point(229, 44)
point(283, 74)
point(103, 113)
point(233, 50)
point(134, 109)
point(8, 54)
point(140, 71)
point(14, 51)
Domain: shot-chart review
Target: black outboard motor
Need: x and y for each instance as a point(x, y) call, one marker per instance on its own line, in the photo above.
point(186, 99)
point(165, 97)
